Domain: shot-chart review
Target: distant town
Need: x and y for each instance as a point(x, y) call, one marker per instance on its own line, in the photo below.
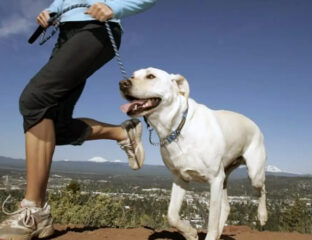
point(144, 197)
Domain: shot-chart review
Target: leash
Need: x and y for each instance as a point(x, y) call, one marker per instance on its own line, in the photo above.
point(55, 18)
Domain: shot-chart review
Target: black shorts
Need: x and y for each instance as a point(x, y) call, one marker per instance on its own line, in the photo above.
point(81, 49)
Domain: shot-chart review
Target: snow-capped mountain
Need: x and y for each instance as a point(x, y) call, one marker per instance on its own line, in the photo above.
point(270, 170)
point(103, 160)
point(273, 169)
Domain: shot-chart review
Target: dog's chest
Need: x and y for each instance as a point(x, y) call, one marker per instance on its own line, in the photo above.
point(188, 165)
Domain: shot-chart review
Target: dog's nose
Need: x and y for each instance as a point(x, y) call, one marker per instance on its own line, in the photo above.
point(124, 85)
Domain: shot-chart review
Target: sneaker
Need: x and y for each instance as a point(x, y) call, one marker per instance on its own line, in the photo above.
point(133, 145)
point(27, 222)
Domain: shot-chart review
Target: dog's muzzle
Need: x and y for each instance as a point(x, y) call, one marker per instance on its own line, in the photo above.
point(125, 85)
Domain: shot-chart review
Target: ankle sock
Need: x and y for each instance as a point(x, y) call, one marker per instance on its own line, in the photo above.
point(28, 203)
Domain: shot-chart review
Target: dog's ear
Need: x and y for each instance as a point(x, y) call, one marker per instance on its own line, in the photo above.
point(184, 88)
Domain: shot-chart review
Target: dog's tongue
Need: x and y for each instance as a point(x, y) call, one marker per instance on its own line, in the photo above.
point(128, 106)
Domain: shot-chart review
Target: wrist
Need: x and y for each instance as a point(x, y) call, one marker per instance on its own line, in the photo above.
point(115, 8)
point(111, 12)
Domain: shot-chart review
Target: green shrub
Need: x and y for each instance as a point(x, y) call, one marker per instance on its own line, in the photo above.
point(89, 210)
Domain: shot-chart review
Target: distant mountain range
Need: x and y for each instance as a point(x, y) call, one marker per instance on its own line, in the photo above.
point(100, 166)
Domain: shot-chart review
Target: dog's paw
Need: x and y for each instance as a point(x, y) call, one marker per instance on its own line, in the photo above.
point(263, 218)
point(191, 235)
point(262, 215)
point(186, 223)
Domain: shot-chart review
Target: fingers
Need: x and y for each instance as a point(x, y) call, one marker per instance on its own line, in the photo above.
point(100, 11)
point(43, 18)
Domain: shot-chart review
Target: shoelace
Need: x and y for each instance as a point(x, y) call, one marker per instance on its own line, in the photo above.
point(129, 149)
point(28, 220)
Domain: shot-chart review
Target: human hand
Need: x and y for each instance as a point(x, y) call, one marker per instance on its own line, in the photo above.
point(43, 18)
point(100, 11)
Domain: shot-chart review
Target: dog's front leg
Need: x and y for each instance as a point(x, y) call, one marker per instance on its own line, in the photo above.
point(177, 194)
point(215, 206)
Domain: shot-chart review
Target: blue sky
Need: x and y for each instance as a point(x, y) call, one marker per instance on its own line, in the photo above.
point(249, 56)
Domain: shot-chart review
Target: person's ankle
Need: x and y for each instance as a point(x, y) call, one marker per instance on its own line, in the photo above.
point(30, 203)
point(123, 135)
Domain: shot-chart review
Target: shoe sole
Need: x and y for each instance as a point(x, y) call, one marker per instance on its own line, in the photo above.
point(41, 233)
point(46, 232)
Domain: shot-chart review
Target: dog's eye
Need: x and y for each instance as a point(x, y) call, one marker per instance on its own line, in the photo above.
point(150, 76)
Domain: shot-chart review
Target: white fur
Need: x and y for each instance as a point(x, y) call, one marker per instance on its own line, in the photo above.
point(212, 144)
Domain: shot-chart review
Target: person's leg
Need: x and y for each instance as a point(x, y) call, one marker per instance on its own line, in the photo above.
point(33, 218)
point(60, 92)
point(102, 130)
point(40, 144)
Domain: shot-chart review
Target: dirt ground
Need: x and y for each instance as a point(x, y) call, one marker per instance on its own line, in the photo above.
point(75, 232)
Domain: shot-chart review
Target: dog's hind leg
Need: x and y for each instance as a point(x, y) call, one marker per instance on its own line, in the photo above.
point(255, 158)
point(225, 210)
point(225, 207)
point(262, 211)
point(177, 194)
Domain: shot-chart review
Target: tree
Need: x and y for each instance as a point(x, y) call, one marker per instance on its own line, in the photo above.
point(295, 218)
point(73, 186)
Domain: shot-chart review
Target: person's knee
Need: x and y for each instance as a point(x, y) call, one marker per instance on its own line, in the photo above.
point(34, 107)
point(25, 102)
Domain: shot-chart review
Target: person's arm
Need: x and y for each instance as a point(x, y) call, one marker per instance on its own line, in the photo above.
point(108, 9)
point(123, 8)
point(55, 6)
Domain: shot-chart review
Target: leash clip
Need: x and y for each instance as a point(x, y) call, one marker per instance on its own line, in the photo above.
point(150, 129)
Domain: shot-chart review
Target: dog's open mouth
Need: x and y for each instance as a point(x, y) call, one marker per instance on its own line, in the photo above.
point(137, 106)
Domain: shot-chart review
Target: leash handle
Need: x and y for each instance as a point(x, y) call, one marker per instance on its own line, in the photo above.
point(38, 31)
point(53, 17)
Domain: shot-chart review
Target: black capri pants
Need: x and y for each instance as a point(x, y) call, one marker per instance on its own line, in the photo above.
point(81, 49)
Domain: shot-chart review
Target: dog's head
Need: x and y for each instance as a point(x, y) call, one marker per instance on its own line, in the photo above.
point(150, 89)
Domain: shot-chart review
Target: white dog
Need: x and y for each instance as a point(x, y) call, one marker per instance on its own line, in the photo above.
point(206, 147)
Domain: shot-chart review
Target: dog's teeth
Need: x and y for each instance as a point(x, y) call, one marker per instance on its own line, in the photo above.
point(135, 107)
